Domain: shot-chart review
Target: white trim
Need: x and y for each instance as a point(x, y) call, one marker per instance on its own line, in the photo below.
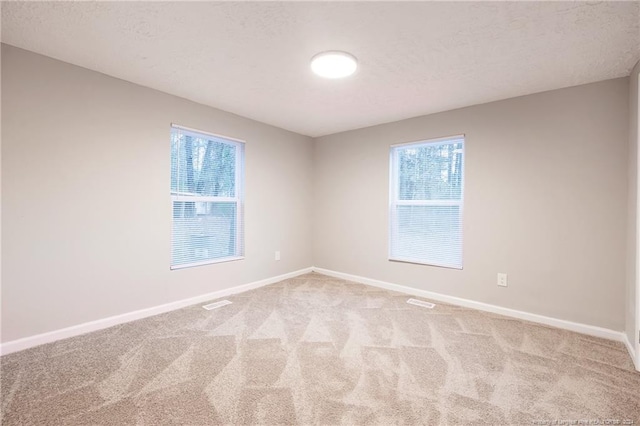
point(198, 133)
point(393, 194)
point(423, 262)
point(591, 330)
point(238, 200)
point(636, 326)
point(394, 202)
point(76, 330)
point(239, 193)
point(439, 140)
point(631, 350)
point(206, 262)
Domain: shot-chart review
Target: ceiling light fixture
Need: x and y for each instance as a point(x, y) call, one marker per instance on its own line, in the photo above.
point(334, 64)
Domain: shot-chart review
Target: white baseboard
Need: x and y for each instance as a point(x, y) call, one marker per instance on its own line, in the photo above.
point(540, 319)
point(76, 330)
point(632, 351)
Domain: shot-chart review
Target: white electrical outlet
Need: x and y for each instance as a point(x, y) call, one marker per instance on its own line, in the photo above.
point(502, 280)
point(277, 255)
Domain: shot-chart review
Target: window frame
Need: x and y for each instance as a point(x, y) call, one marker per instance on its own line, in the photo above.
point(239, 177)
point(394, 201)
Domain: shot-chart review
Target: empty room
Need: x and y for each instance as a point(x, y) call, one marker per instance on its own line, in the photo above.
point(320, 213)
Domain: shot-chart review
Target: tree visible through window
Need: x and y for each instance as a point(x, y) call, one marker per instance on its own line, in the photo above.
point(206, 196)
point(426, 202)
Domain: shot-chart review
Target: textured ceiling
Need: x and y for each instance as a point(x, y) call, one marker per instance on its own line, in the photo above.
point(415, 58)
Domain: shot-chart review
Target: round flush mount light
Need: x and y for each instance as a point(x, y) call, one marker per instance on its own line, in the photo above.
point(334, 64)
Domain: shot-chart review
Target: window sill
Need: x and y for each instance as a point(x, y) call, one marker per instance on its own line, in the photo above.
point(418, 262)
point(207, 262)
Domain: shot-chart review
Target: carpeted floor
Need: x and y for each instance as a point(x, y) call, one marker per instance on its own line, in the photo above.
point(318, 350)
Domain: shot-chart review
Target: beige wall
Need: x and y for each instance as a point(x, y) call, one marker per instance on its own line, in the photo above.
point(86, 213)
point(632, 218)
point(85, 189)
point(545, 202)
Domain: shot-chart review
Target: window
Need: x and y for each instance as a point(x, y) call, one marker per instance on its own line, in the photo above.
point(426, 193)
point(207, 174)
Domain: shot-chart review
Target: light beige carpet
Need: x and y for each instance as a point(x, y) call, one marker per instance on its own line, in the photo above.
point(318, 350)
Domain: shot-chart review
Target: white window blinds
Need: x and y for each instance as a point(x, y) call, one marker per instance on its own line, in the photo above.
point(426, 200)
point(207, 174)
